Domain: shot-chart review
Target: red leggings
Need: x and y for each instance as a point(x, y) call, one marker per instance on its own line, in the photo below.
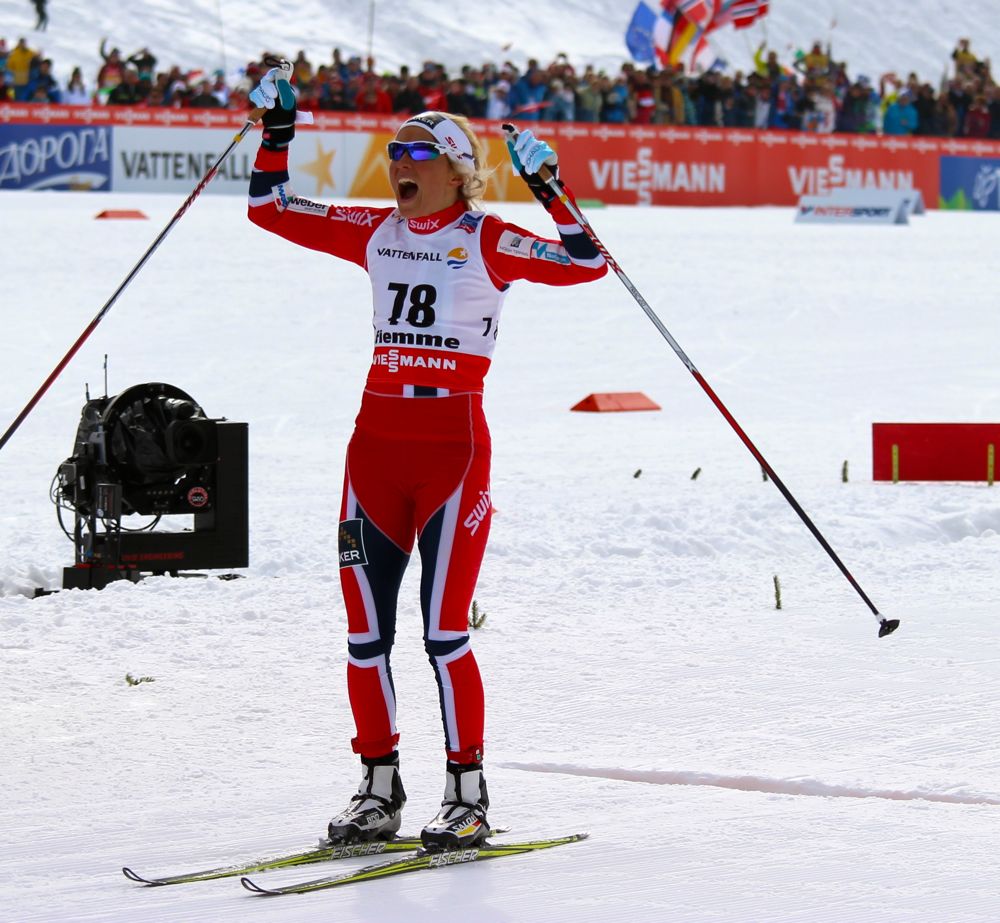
point(416, 466)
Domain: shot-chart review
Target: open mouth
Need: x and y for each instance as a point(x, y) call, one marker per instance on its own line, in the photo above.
point(407, 189)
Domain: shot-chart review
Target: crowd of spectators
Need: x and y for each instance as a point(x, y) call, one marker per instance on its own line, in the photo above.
point(813, 92)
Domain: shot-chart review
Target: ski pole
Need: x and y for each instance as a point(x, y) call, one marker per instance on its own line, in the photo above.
point(886, 626)
point(253, 116)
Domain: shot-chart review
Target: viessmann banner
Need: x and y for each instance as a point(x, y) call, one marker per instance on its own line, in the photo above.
point(343, 156)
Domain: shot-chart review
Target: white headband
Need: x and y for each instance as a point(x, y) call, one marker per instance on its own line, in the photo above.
point(449, 136)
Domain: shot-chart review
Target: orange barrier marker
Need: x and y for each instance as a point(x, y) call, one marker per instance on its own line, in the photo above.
point(613, 401)
point(120, 213)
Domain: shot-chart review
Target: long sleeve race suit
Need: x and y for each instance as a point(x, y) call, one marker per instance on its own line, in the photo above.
point(418, 463)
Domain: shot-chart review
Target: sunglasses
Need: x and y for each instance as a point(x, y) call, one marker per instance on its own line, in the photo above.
point(418, 150)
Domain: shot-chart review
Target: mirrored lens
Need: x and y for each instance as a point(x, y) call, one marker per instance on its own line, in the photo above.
point(418, 150)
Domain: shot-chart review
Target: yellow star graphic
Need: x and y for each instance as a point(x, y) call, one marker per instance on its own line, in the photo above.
point(320, 168)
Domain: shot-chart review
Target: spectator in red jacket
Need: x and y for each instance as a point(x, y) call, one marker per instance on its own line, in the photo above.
point(112, 70)
point(977, 119)
point(433, 96)
point(644, 99)
point(372, 97)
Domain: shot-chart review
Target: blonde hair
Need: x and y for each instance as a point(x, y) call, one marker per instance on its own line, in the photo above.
point(474, 184)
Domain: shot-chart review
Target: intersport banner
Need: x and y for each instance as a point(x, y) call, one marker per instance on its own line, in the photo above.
point(343, 156)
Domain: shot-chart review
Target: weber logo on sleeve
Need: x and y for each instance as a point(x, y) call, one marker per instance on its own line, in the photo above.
point(352, 544)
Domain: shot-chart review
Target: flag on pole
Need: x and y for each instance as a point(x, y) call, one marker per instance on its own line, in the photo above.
point(741, 14)
point(648, 34)
point(699, 12)
point(694, 20)
point(683, 34)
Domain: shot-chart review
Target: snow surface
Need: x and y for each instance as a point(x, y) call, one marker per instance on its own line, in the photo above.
point(732, 762)
point(895, 35)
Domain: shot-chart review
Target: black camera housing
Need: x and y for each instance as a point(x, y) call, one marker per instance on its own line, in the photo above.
point(151, 450)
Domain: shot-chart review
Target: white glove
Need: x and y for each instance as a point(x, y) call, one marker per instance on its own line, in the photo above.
point(272, 85)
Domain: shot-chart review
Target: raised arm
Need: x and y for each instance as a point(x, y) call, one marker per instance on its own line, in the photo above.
point(512, 253)
point(340, 230)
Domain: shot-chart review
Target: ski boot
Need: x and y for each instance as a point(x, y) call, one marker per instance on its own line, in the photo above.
point(374, 812)
point(461, 822)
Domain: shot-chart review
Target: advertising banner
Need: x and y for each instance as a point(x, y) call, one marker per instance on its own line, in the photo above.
point(817, 209)
point(343, 156)
point(971, 183)
point(55, 157)
point(175, 159)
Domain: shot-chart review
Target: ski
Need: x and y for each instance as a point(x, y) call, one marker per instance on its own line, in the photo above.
point(423, 859)
point(325, 852)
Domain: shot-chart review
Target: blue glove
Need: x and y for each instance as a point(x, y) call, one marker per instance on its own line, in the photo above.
point(529, 153)
point(274, 94)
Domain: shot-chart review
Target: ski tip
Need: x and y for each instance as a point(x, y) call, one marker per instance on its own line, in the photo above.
point(255, 888)
point(131, 876)
point(887, 627)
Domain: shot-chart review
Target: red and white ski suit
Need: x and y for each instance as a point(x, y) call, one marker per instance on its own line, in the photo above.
point(418, 464)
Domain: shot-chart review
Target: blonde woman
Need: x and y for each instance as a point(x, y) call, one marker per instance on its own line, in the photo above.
point(418, 463)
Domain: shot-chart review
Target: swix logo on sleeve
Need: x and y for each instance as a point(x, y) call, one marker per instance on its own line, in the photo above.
point(359, 216)
point(351, 543)
point(515, 244)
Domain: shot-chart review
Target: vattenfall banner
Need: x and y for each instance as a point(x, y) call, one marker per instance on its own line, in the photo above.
point(343, 156)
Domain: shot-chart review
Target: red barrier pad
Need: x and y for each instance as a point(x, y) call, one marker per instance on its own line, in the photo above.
point(120, 213)
point(612, 401)
point(934, 451)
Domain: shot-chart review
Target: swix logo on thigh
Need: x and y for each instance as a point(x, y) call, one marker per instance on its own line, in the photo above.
point(351, 543)
point(479, 511)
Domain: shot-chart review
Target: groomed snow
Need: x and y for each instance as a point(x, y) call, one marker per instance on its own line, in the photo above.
point(732, 762)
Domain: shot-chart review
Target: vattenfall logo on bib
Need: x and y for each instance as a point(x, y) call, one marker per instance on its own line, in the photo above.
point(458, 257)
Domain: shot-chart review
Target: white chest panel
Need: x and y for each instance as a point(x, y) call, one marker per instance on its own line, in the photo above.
point(432, 291)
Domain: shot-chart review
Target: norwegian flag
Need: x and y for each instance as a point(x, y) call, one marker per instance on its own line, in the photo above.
point(742, 13)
